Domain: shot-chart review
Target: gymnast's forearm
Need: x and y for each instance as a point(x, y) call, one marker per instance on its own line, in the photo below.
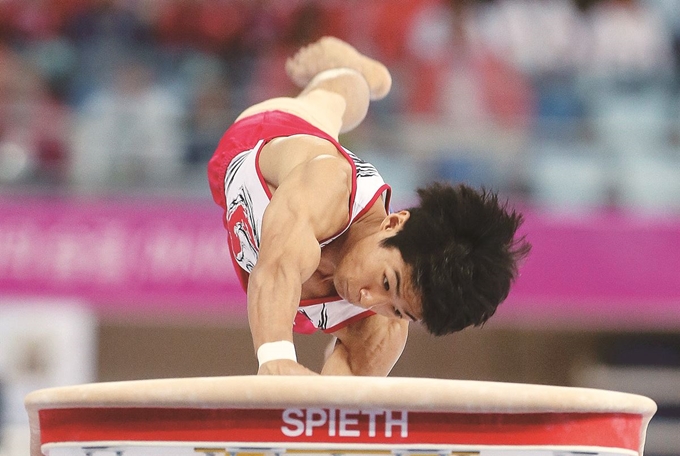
point(270, 323)
point(342, 361)
point(287, 259)
point(371, 346)
point(338, 363)
point(272, 303)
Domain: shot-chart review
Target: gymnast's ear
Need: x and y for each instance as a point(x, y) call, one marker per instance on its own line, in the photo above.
point(395, 220)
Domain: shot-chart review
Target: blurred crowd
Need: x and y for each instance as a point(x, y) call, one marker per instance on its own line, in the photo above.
point(573, 102)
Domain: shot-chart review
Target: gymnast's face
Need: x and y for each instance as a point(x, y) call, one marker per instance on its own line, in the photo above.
point(376, 277)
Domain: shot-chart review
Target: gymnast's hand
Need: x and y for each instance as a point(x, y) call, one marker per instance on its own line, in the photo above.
point(284, 367)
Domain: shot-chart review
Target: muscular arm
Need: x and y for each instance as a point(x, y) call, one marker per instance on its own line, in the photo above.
point(368, 347)
point(310, 203)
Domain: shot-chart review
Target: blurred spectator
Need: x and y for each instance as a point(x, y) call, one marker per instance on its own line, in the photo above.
point(461, 79)
point(628, 40)
point(104, 34)
point(275, 35)
point(33, 126)
point(379, 27)
point(669, 11)
point(627, 73)
point(210, 114)
point(212, 26)
point(129, 132)
point(467, 108)
point(627, 69)
point(544, 39)
point(538, 36)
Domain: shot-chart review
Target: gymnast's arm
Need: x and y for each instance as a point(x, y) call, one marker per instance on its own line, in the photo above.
point(310, 203)
point(370, 346)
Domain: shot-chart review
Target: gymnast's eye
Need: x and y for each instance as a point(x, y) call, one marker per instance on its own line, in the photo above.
point(386, 283)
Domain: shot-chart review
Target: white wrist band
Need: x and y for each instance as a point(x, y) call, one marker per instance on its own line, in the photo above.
point(271, 351)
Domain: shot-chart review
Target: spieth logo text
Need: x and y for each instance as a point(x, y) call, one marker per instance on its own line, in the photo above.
point(344, 423)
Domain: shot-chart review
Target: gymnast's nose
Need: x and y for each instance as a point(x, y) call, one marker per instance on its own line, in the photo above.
point(371, 300)
point(366, 298)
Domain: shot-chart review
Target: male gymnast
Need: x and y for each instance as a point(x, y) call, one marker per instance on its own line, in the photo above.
point(315, 245)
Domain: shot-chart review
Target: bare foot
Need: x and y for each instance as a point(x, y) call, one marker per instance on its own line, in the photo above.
point(330, 53)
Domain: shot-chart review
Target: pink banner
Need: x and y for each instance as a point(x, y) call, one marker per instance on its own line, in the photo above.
point(140, 255)
point(130, 255)
point(607, 269)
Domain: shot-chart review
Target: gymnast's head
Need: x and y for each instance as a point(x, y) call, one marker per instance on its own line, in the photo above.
point(461, 249)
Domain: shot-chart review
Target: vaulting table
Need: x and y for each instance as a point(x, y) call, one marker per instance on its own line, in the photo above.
point(270, 416)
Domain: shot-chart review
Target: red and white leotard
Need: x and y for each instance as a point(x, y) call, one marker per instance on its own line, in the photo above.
point(238, 186)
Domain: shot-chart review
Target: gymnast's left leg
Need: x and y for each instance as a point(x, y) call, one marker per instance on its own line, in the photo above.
point(338, 84)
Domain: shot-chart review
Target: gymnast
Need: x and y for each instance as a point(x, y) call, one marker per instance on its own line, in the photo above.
point(315, 244)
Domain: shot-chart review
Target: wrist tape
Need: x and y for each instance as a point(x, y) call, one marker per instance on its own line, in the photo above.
point(271, 351)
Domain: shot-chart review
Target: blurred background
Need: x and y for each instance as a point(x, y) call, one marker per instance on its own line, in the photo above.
point(113, 258)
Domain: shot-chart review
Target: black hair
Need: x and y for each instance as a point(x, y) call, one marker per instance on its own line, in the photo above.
point(460, 244)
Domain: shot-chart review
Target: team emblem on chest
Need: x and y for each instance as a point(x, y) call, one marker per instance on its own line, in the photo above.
point(243, 236)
